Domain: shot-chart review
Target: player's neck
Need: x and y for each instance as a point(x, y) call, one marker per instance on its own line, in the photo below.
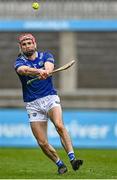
point(33, 56)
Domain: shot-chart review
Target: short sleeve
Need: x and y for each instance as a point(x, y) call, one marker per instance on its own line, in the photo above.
point(19, 62)
point(49, 57)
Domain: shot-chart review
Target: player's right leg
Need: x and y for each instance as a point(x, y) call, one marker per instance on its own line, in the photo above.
point(39, 130)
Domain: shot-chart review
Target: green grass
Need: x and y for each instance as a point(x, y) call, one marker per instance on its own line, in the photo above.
point(31, 163)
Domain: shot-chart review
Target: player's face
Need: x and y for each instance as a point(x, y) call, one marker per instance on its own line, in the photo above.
point(28, 47)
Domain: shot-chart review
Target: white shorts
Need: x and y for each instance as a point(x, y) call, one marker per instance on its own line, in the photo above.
point(38, 109)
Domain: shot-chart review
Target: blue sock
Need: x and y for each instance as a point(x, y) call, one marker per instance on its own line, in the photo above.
point(71, 155)
point(59, 163)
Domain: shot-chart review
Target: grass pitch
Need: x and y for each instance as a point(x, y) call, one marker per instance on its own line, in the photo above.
point(31, 163)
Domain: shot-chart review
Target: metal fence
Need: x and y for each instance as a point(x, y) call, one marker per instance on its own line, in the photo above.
point(59, 9)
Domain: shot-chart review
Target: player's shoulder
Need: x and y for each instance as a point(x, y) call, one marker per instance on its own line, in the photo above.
point(48, 52)
point(46, 56)
point(20, 57)
point(49, 55)
point(44, 53)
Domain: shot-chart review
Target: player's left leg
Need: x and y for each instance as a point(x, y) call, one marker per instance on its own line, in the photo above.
point(55, 115)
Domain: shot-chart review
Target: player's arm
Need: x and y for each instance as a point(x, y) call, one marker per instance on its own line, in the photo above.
point(25, 70)
point(49, 67)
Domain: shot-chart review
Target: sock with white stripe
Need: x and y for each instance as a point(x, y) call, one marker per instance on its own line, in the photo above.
point(71, 155)
point(59, 163)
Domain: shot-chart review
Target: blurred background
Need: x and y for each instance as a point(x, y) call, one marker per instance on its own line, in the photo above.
point(84, 30)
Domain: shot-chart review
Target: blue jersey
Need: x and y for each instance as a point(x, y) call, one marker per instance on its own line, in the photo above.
point(39, 88)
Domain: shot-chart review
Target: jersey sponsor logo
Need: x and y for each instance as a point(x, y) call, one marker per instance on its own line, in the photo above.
point(41, 63)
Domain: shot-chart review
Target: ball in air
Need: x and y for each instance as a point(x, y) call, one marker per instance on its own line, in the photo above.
point(35, 5)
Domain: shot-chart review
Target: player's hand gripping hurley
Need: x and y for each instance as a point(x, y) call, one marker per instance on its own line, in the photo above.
point(62, 68)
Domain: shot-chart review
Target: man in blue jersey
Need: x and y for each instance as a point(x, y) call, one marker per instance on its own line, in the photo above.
point(42, 101)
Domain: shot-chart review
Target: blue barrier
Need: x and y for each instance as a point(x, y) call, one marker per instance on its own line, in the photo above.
point(89, 129)
point(58, 25)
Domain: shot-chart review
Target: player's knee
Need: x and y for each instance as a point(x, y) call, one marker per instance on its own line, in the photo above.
point(43, 144)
